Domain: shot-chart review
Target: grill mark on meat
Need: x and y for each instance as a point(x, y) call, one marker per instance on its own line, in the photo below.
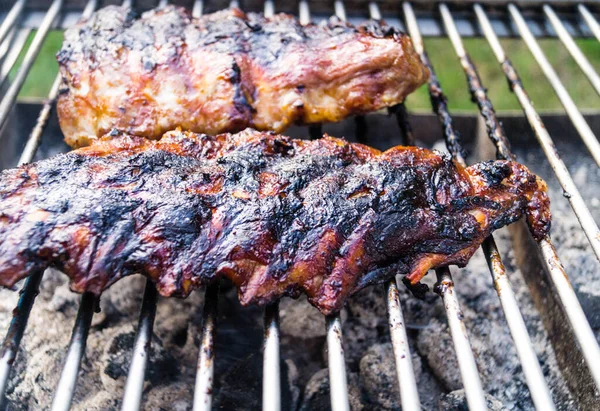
point(224, 72)
point(188, 209)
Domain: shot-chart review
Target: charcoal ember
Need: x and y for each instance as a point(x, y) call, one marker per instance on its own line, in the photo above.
point(240, 329)
point(241, 387)
point(588, 289)
point(178, 323)
point(316, 394)
point(489, 336)
point(16, 398)
point(435, 345)
point(40, 359)
point(62, 299)
point(116, 358)
point(378, 376)
point(301, 320)
point(494, 351)
point(99, 401)
point(368, 306)
point(572, 245)
point(357, 339)
point(178, 396)
point(308, 359)
point(122, 301)
point(457, 401)
point(417, 312)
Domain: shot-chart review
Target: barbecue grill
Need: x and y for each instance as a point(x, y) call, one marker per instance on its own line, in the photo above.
point(493, 19)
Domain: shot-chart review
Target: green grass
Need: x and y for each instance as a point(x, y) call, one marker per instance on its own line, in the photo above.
point(447, 67)
point(44, 71)
point(453, 80)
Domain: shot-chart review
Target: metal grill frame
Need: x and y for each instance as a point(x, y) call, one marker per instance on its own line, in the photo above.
point(12, 39)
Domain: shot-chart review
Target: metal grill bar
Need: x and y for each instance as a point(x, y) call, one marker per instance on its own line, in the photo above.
point(409, 395)
point(11, 342)
point(204, 374)
point(579, 323)
point(68, 378)
point(198, 8)
point(5, 44)
point(361, 128)
point(338, 390)
point(407, 384)
point(566, 294)
point(558, 276)
point(11, 94)
point(573, 112)
point(577, 203)
point(132, 399)
point(532, 370)
point(269, 8)
point(569, 43)
point(445, 287)
point(591, 22)
point(206, 359)
point(34, 139)
point(340, 10)
point(303, 12)
point(337, 366)
point(462, 346)
point(11, 18)
point(30, 289)
point(374, 11)
point(271, 390)
point(18, 42)
point(315, 131)
point(538, 388)
point(477, 90)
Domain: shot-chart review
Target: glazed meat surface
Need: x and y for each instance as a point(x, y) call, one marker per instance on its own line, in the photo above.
point(274, 215)
point(224, 72)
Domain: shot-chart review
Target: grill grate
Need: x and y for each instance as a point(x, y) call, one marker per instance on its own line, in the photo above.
point(540, 392)
point(535, 379)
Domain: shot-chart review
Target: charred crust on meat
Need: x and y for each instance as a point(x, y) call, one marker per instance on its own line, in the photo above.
point(494, 173)
point(418, 290)
point(275, 215)
point(229, 70)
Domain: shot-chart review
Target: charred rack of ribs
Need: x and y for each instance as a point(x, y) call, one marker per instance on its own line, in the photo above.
point(275, 215)
point(224, 72)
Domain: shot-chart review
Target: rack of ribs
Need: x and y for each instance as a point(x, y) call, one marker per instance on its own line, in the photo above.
point(224, 72)
point(275, 215)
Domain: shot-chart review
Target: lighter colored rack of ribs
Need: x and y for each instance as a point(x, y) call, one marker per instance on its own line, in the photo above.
point(224, 72)
point(274, 215)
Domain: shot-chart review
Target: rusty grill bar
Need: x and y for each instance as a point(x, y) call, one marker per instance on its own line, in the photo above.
point(12, 40)
point(539, 390)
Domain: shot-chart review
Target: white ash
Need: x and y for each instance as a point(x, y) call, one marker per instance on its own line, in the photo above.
point(108, 352)
point(316, 394)
point(457, 401)
point(172, 369)
point(376, 371)
point(177, 328)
